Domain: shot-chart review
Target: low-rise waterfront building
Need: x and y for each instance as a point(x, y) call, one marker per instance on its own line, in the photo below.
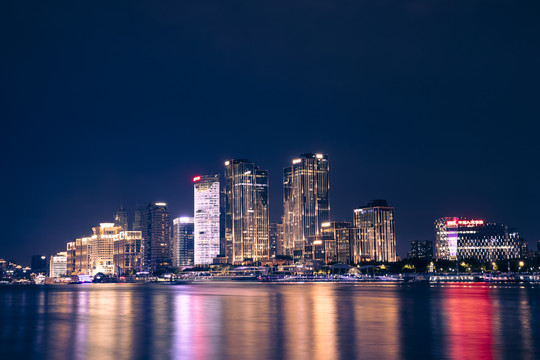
point(462, 238)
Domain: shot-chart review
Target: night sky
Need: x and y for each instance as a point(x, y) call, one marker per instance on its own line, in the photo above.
point(432, 105)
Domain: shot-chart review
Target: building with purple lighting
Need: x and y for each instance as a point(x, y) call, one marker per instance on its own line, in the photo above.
point(461, 238)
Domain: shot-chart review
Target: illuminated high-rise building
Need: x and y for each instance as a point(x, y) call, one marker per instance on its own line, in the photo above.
point(71, 254)
point(306, 203)
point(128, 252)
point(459, 238)
point(183, 241)
point(121, 218)
point(58, 265)
point(376, 234)
point(246, 211)
point(206, 219)
point(343, 235)
point(102, 248)
point(156, 231)
point(334, 244)
point(83, 255)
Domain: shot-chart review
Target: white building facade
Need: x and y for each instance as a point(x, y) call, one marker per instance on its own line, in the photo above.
point(58, 265)
point(206, 219)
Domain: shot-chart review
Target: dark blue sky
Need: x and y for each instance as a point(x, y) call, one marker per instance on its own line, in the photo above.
point(432, 105)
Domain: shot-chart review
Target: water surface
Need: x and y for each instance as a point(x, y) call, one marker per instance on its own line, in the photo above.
point(269, 321)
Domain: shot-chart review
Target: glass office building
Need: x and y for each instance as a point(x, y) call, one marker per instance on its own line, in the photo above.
point(306, 203)
point(376, 239)
point(246, 212)
point(183, 245)
point(156, 232)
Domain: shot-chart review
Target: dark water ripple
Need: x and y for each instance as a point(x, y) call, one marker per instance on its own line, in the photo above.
point(269, 321)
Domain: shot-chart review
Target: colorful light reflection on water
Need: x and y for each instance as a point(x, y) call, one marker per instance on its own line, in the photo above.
point(276, 321)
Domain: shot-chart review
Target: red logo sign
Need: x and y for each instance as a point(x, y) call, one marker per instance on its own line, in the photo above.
point(464, 222)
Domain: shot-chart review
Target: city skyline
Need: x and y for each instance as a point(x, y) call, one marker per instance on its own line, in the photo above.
point(270, 179)
point(121, 212)
point(431, 106)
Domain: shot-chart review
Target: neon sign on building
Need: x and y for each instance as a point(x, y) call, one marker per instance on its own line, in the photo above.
point(456, 222)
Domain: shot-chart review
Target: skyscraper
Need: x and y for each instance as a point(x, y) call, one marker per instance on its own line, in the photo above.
point(305, 200)
point(183, 241)
point(280, 235)
point(274, 238)
point(246, 211)
point(155, 229)
point(121, 218)
point(376, 234)
point(137, 218)
point(206, 218)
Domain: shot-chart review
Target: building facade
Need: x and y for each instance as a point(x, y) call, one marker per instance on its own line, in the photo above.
point(275, 239)
point(335, 244)
point(71, 255)
point(306, 203)
point(138, 217)
point(128, 252)
point(207, 233)
point(83, 256)
point(102, 248)
point(121, 219)
point(376, 239)
point(421, 250)
point(462, 238)
point(156, 234)
point(183, 242)
point(109, 250)
point(58, 265)
point(246, 212)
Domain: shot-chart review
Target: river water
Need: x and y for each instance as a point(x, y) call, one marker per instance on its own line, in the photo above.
point(269, 321)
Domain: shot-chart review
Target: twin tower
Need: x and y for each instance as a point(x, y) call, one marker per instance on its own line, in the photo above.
point(231, 222)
